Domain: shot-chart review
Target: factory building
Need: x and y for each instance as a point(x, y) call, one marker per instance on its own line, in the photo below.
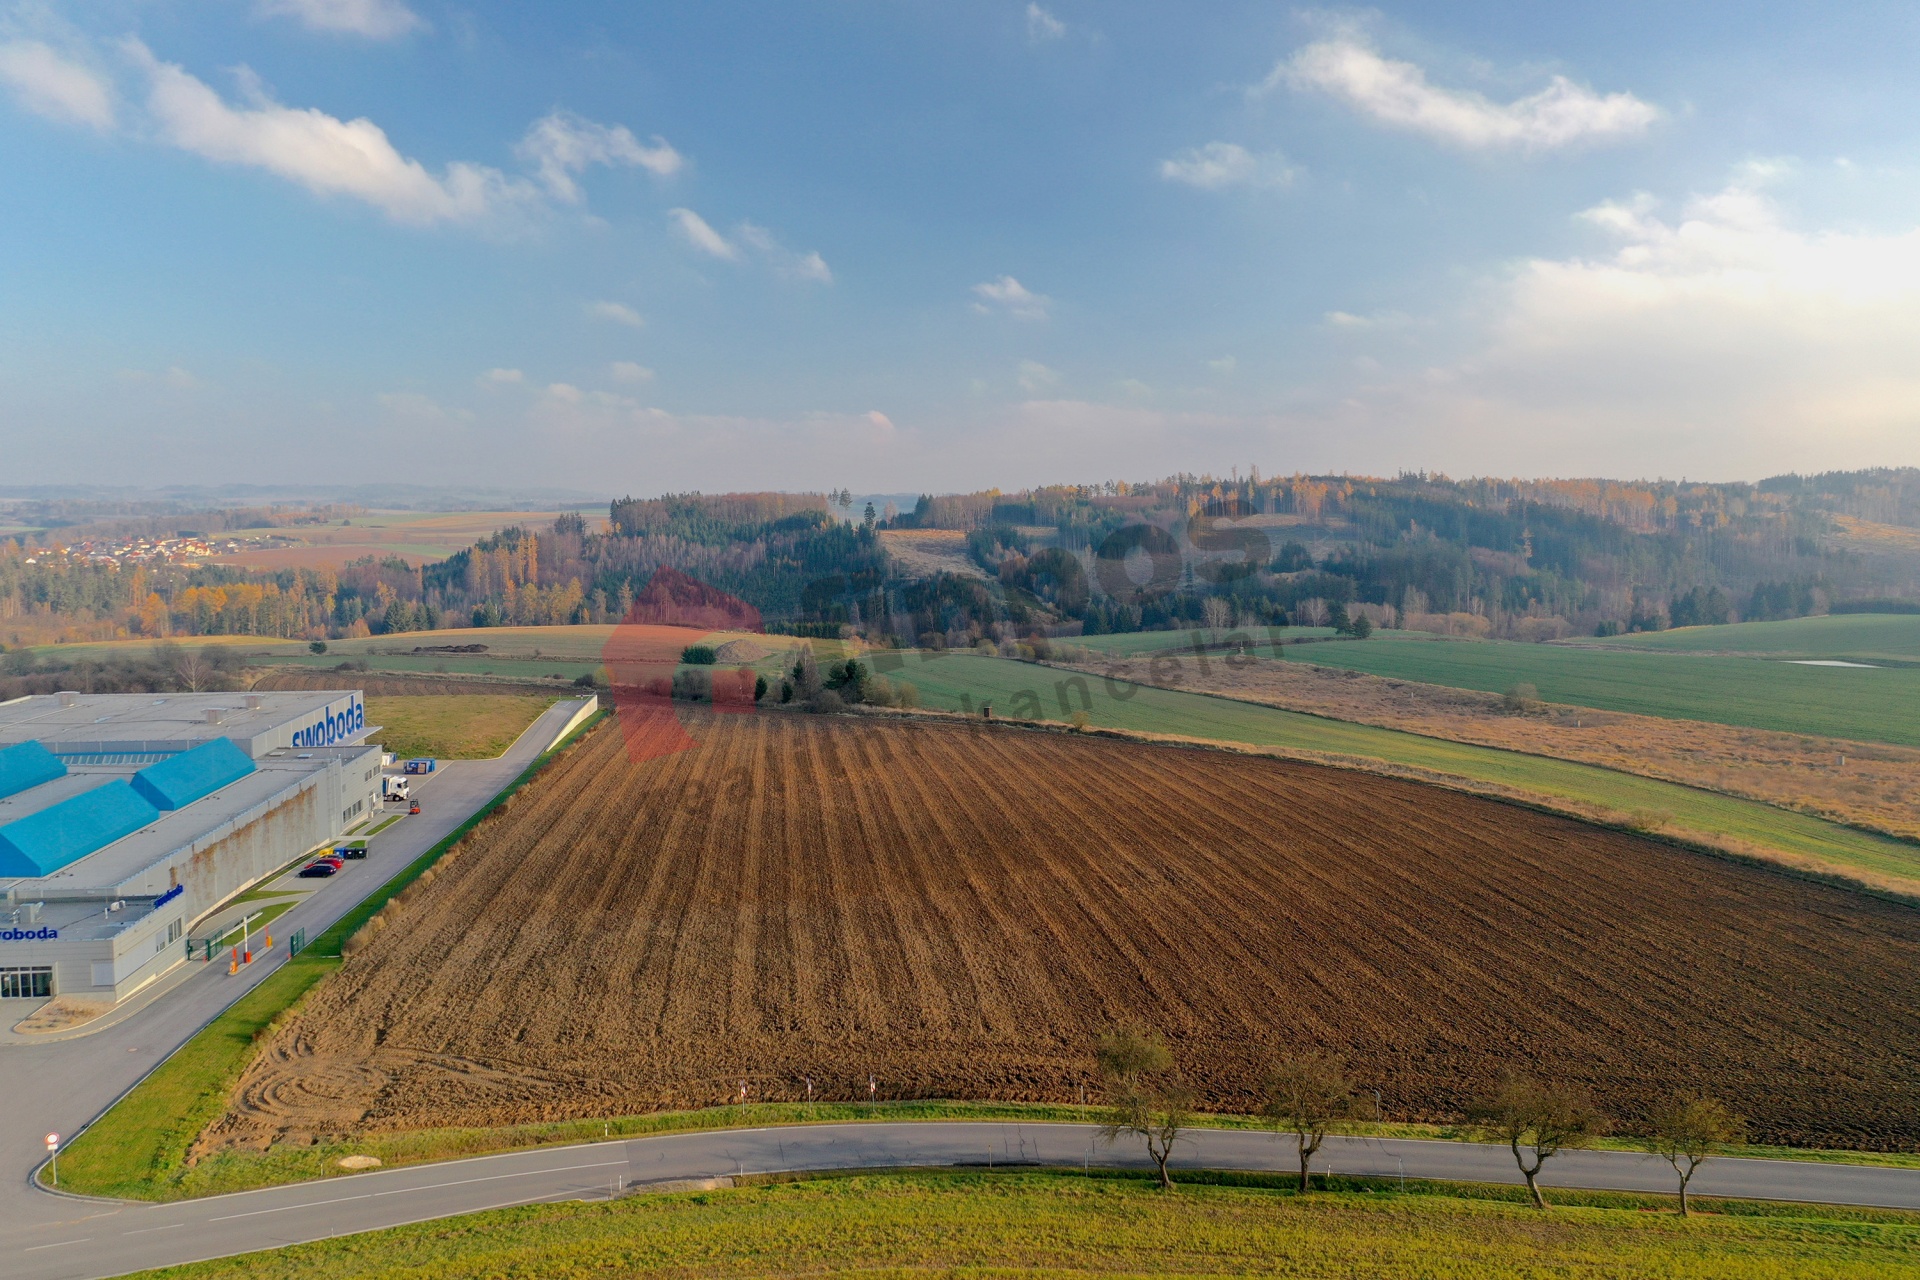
point(126, 818)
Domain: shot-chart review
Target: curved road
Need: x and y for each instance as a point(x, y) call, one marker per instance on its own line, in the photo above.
point(102, 1238)
point(59, 1083)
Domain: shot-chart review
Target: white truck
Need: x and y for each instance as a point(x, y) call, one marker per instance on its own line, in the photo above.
point(395, 788)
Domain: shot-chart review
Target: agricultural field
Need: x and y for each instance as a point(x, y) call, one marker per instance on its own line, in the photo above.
point(966, 683)
point(956, 911)
point(1856, 637)
point(1863, 784)
point(1045, 1223)
point(453, 727)
point(1881, 705)
point(414, 536)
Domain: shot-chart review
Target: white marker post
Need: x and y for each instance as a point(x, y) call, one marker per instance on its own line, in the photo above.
point(53, 1154)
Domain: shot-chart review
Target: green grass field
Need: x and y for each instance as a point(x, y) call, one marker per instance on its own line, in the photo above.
point(1128, 643)
point(1881, 705)
point(1021, 690)
point(466, 726)
point(1861, 637)
point(1049, 1223)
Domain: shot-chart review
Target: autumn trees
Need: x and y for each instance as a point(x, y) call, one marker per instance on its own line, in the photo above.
point(1145, 1096)
point(1308, 1095)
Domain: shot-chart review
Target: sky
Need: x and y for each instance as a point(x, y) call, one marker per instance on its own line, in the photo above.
point(928, 245)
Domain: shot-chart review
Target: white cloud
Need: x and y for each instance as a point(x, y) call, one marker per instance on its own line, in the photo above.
point(1225, 364)
point(326, 155)
point(811, 266)
point(1135, 387)
point(1398, 94)
point(561, 145)
point(1016, 298)
point(1042, 25)
point(1036, 377)
point(1720, 340)
point(617, 312)
point(1378, 320)
point(628, 371)
point(794, 266)
point(702, 236)
point(1227, 164)
point(48, 84)
point(375, 19)
point(493, 379)
point(565, 392)
point(880, 420)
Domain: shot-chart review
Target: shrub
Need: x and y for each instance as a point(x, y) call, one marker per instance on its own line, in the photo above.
point(699, 655)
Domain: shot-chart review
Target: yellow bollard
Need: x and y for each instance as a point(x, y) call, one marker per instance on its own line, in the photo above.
point(269, 945)
point(233, 967)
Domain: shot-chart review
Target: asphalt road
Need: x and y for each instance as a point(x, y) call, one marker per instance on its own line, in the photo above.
point(89, 1239)
point(61, 1084)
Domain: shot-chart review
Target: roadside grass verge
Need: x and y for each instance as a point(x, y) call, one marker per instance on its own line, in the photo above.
point(1023, 690)
point(1060, 1223)
point(138, 1149)
point(236, 1170)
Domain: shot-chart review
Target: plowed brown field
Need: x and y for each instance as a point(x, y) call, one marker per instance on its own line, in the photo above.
point(956, 911)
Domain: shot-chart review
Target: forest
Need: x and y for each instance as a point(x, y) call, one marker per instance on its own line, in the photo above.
point(1535, 559)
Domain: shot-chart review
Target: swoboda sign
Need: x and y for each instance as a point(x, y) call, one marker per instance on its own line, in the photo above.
point(42, 934)
point(333, 726)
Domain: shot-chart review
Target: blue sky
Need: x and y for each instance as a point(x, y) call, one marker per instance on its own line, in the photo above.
point(903, 246)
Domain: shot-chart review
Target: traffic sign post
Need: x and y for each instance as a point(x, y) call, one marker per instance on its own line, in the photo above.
point(53, 1155)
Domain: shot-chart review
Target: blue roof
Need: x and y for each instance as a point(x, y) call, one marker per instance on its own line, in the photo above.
point(178, 781)
point(42, 843)
point(25, 765)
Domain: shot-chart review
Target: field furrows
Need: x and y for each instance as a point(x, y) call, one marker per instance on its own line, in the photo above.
point(956, 911)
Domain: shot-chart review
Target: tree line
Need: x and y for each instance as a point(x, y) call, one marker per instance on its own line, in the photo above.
point(1311, 1095)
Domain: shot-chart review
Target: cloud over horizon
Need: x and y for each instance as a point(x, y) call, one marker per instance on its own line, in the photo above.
point(1398, 94)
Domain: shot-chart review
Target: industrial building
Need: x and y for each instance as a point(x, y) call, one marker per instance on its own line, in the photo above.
point(126, 818)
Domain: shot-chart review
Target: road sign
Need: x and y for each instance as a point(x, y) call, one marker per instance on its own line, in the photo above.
point(53, 1140)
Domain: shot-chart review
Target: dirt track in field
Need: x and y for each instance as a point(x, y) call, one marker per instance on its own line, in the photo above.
point(956, 911)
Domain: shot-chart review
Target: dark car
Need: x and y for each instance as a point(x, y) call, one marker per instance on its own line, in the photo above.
point(317, 870)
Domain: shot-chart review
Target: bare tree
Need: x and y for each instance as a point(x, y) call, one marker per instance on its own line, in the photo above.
point(1545, 1119)
point(1143, 1095)
point(1308, 1096)
point(1689, 1130)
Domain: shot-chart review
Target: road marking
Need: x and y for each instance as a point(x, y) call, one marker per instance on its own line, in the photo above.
point(56, 1244)
point(143, 1230)
point(431, 1186)
point(435, 1186)
point(308, 1204)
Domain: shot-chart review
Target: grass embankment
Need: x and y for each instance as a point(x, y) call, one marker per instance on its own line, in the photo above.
point(964, 682)
point(466, 726)
point(1055, 1223)
point(138, 1149)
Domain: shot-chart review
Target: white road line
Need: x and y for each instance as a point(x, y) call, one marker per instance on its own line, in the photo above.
point(55, 1245)
point(305, 1204)
point(431, 1186)
point(143, 1230)
point(495, 1177)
